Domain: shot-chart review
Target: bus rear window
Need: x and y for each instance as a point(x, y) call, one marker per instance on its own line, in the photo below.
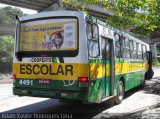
point(48, 35)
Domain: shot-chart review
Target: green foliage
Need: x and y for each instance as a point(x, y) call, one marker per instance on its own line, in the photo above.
point(6, 48)
point(155, 62)
point(158, 58)
point(142, 15)
point(158, 49)
point(7, 15)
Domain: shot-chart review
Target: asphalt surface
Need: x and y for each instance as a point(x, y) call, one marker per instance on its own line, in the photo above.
point(138, 103)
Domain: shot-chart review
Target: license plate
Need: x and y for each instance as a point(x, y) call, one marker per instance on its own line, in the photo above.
point(44, 81)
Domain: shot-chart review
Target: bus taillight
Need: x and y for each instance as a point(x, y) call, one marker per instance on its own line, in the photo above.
point(14, 76)
point(83, 82)
point(83, 79)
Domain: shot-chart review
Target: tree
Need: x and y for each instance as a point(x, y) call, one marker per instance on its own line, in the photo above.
point(143, 16)
point(6, 48)
point(8, 15)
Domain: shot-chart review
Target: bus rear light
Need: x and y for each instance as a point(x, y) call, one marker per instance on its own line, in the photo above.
point(14, 76)
point(83, 79)
point(83, 82)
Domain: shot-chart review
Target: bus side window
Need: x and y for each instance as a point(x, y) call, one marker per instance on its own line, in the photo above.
point(126, 49)
point(93, 39)
point(93, 49)
point(131, 44)
point(144, 52)
point(105, 45)
point(139, 51)
point(95, 32)
point(123, 47)
point(123, 42)
point(131, 48)
point(134, 50)
point(127, 43)
point(118, 45)
point(89, 31)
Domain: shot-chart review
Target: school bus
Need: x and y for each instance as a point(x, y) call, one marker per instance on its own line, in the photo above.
point(71, 56)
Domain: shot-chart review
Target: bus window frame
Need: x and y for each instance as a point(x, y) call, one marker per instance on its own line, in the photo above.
point(123, 41)
point(88, 32)
point(144, 46)
point(119, 40)
point(133, 50)
point(131, 44)
point(119, 46)
point(93, 40)
point(62, 53)
point(126, 47)
point(139, 50)
point(127, 43)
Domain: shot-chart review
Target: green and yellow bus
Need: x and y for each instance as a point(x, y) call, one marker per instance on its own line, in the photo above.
point(70, 56)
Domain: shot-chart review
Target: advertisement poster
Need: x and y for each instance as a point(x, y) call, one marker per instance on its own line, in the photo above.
point(49, 35)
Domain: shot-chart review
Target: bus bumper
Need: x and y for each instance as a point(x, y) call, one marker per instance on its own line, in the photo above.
point(56, 94)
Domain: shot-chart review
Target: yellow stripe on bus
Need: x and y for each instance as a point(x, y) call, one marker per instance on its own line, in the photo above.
point(71, 71)
point(130, 67)
point(96, 70)
point(55, 71)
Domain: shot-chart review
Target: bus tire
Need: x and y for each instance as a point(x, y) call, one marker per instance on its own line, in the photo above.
point(152, 74)
point(120, 93)
point(149, 76)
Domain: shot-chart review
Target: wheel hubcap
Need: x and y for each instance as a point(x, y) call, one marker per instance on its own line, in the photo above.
point(120, 92)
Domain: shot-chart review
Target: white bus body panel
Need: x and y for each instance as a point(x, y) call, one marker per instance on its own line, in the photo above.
point(82, 56)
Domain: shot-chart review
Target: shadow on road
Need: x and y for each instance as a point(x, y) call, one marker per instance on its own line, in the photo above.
point(152, 87)
point(76, 109)
point(79, 110)
point(32, 108)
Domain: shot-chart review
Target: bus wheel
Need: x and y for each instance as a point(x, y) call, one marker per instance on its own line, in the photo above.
point(120, 93)
point(143, 84)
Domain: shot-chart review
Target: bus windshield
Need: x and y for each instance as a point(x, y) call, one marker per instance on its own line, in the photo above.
point(45, 35)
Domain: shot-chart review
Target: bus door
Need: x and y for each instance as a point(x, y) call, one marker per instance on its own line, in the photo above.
point(100, 73)
point(100, 60)
point(107, 60)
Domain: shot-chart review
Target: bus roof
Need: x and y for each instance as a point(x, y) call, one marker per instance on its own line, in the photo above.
point(76, 13)
point(96, 20)
point(59, 13)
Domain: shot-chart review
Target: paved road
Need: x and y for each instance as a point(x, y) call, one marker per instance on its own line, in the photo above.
point(10, 102)
point(156, 72)
point(15, 104)
point(136, 99)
